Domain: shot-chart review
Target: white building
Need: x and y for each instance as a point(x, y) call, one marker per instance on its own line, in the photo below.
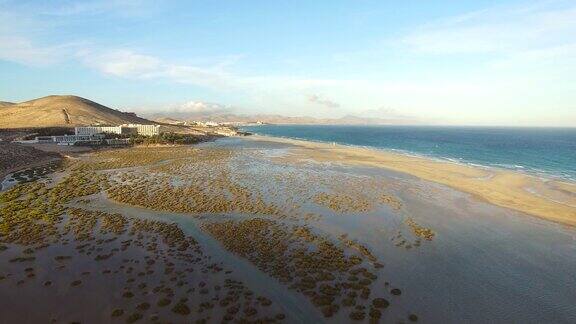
point(126, 129)
point(90, 130)
point(147, 130)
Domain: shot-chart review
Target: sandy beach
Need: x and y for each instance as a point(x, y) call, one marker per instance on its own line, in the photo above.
point(548, 199)
point(251, 162)
point(270, 230)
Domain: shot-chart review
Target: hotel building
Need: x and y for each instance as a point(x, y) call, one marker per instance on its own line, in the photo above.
point(126, 129)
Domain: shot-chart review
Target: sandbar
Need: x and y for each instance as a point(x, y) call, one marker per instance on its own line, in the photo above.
point(548, 199)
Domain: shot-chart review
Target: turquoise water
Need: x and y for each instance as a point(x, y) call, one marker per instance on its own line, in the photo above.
point(549, 152)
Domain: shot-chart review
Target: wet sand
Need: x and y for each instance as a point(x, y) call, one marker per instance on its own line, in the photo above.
point(548, 199)
point(254, 230)
point(86, 217)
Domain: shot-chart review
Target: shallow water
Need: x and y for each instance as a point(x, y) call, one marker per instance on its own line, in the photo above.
point(541, 151)
point(485, 264)
point(297, 309)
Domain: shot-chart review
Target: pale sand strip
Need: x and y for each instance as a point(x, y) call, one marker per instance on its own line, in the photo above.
point(551, 200)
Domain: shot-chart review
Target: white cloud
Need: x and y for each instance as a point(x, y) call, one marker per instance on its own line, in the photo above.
point(189, 109)
point(285, 94)
point(201, 107)
point(123, 63)
point(316, 99)
point(17, 47)
point(499, 30)
point(21, 50)
point(563, 57)
point(129, 64)
point(25, 27)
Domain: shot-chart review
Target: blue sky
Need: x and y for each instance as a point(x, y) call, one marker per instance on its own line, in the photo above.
point(441, 62)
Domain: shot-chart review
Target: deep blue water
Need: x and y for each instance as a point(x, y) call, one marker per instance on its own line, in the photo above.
point(543, 151)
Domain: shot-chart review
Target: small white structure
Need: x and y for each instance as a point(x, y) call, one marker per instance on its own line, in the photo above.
point(69, 139)
point(206, 123)
point(117, 141)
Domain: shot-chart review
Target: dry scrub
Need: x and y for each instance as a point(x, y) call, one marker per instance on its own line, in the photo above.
point(332, 278)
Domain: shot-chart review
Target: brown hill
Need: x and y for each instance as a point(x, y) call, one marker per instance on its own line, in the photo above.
point(63, 111)
point(5, 104)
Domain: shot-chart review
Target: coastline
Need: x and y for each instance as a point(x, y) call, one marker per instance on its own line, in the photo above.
point(548, 199)
point(226, 218)
point(459, 144)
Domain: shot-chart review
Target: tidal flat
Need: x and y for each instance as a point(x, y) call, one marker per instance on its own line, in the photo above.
point(243, 230)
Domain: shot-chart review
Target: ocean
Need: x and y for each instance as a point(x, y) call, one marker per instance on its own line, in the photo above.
point(548, 152)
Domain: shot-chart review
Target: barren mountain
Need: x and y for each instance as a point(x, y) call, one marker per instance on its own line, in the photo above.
point(62, 111)
point(279, 119)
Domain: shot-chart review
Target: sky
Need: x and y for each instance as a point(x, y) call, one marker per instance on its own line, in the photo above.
point(465, 62)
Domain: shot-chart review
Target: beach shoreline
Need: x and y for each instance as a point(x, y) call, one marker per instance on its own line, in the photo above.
point(273, 229)
point(548, 199)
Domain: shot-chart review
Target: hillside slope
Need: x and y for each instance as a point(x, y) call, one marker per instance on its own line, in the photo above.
point(5, 104)
point(63, 111)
